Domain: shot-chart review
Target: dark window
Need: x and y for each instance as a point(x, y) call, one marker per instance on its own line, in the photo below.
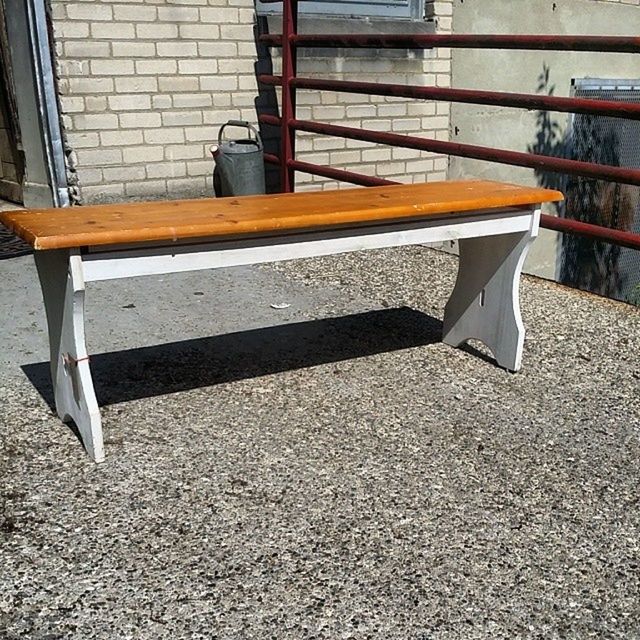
point(399, 9)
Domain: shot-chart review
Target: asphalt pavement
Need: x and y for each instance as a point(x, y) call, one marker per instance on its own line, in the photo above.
point(293, 454)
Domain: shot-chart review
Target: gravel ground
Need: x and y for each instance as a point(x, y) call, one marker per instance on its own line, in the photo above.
point(341, 476)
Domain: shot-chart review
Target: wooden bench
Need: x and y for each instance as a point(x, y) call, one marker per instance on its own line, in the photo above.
point(495, 223)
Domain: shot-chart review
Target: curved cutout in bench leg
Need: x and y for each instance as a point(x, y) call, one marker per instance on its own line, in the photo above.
point(485, 302)
point(62, 281)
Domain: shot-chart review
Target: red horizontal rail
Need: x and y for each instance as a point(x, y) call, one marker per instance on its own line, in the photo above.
point(517, 158)
point(566, 225)
point(330, 172)
point(610, 108)
point(339, 174)
point(606, 234)
point(609, 44)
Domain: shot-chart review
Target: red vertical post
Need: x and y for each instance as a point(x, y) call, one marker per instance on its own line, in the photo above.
point(288, 111)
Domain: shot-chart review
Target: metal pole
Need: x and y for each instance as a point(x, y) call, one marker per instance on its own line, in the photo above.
point(288, 111)
point(595, 231)
point(611, 108)
point(502, 156)
point(609, 44)
point(564, 225)
point(340, 174)
point(47, 102)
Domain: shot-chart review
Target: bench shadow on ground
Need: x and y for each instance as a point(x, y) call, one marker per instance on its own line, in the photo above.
point(143, 372)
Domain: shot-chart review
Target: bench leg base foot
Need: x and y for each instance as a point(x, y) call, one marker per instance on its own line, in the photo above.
point(485, 303)
point(60, 273)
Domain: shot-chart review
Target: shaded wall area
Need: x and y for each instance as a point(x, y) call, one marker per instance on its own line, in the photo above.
point(545, 72)
point(11, 160)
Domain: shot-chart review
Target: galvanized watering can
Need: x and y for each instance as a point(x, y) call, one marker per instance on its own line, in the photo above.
point(239, 164)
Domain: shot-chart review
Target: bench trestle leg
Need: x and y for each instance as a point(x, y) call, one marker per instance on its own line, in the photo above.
point(62, 282)
point(485, 300)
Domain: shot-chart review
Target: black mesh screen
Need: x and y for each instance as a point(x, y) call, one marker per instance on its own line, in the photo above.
point(587, 264)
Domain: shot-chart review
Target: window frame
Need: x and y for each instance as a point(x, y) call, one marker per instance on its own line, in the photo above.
point(354, 9)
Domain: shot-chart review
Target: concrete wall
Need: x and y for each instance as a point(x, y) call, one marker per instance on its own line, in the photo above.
point(146, 84)
point(531, 72)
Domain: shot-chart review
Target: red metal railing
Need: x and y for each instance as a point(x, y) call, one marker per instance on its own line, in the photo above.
point(612, 108)
point(608, 44)
point(517, 158)
point(288, 110)
point(290, 40)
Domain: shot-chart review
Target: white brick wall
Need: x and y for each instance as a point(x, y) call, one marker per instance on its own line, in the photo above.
point(377, 113)
point(146, 84)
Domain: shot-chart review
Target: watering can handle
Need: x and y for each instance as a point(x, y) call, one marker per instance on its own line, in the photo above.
point(240, 123)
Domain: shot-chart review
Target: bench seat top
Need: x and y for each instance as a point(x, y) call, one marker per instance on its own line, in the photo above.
point(126, 223)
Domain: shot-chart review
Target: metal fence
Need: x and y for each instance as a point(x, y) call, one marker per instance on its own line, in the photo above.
point(290, 41)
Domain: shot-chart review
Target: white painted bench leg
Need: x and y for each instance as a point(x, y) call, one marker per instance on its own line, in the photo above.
point(62, 282)
point(485, 300)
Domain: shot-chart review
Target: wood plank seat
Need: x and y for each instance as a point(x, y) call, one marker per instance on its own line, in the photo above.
point(182, 219)
point(494, 223)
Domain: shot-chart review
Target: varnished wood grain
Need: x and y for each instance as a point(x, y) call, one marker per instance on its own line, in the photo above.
point(219, 217)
